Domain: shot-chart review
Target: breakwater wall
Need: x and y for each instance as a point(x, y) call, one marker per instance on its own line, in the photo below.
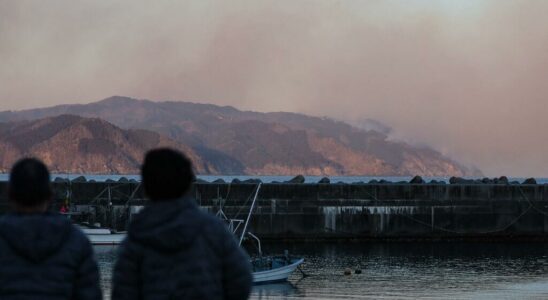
point(341, 211)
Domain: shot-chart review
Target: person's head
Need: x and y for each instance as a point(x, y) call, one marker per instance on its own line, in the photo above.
point(29, 187)
point(167, 174)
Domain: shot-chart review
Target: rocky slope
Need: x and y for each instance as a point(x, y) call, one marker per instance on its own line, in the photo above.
point(80, 145)
point(243, 142)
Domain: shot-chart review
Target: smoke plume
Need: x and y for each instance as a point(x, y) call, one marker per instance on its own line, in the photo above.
point(465, 77)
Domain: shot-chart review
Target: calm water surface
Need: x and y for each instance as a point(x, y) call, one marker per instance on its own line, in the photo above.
point(404, 271)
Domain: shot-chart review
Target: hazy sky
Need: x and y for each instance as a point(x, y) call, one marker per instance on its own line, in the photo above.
point(469, 78)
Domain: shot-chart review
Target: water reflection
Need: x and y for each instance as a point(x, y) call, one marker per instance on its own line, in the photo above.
point(106, 257)
point(275, 290)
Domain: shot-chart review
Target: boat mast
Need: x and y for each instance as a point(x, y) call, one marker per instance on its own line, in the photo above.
point(250, 212)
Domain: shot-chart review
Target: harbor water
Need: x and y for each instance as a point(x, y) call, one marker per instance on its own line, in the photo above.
point(403, 271)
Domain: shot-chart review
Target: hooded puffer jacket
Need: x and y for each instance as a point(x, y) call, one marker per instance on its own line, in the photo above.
point(176, 251)
point(43, 256)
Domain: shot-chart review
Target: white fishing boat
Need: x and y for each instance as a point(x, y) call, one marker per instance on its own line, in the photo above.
point(102, 236)
point(274, 269)
point(266, 269)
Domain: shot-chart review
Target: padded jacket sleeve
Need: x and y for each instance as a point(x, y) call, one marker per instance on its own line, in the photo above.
point(86, 285)
point(126, 277)
point(237, 278)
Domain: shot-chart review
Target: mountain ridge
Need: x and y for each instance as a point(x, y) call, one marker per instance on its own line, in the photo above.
point(255, 143)
point(73, 144)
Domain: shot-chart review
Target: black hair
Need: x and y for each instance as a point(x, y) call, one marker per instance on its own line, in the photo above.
point(167, 174)
point(29, 183)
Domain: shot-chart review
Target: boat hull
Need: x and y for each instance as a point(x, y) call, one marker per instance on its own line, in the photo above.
point(102, 236)
point(276, 275)
point(106, 239)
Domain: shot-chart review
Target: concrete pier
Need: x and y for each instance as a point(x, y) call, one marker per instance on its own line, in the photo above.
point(343, 211)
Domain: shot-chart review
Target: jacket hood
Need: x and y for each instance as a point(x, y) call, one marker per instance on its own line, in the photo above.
point(35, 236)
point(167, 225)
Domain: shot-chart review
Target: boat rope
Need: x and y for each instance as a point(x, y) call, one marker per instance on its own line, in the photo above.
point(514, 221)
point(221, 210)
point(302, 272)
point(245, 204)
point(98, 197)
point(531, 203)
point(228, 191)
point(498, 230)
point(132, 196)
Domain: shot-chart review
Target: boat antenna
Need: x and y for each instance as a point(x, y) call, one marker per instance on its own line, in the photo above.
point(250, 212)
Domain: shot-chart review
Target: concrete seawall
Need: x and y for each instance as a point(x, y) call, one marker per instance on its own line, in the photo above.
point(343, 211)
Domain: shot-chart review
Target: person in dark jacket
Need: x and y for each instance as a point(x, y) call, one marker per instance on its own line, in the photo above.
point(42, 255)
point(173, 249)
